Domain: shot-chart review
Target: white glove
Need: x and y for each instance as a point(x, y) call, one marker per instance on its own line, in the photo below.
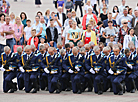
point(46, 70)
point(11, 69)
point(92, 71)
point(118, 72)
point(110, 71)
point(96, 69)
point(2, 69)
point(130, 66)
point(78, 69)
point(52, 72)
point(22, 70)
point(70, 71)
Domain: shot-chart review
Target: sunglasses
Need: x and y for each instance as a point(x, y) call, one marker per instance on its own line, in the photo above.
point(125, 22)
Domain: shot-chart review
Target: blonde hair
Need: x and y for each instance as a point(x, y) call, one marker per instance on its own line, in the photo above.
point(124, 20)
point(46, 11)
point(87, 2)
point(12, 14)
point(92, 20)
point(16, 19)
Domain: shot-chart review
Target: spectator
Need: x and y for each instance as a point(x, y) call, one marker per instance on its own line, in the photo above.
point(105, 22)
point(123, 31)
point(42, 21)
point(42, 41)
point(38, 3)
point(65, 32)
point(23, 17)
point(8, 4)
point(94, 4)
point(121, 7)
point(88, 5)
point(27, 31)
point(38, 26)
point(135, 22)
point(89, 35)
point(2, 19)
point(87, 17)
point(69, 6)
point(12, 16)
point(33, 40)
point(130, 12)
point(47, 16)
point(74, 34)
point(18, 32)
point(93, 24)
point(52, 34)
point(103, 16)
point(110, 30)
point(39, 13)
point(130, 37)
point(8, 29)
point(102, 6)
point(75, 18)
point(4, 8)
point(69, 16)
point(61, 15)
point(115, 13)
point(78, 3)
point(112, 40)
point(60, 3)
point(125, 16)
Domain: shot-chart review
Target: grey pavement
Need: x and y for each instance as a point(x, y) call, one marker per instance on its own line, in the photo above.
point(43, 96)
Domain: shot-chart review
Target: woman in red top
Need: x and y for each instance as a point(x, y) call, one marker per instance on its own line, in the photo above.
point(34, 39)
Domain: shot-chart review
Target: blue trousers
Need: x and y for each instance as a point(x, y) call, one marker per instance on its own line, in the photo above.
point(89, 80)
point(8, 77)
point(20, 80)
point(128, 81)
point(65, 80)
point(76, 78)
point(54, 45)
point(43, 80)
point(116, 80)
point(10, 43)
point(1, 48)
point(30, 79)
point(52, 82)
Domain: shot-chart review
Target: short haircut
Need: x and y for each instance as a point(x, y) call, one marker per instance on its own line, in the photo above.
point(127, 51)
point(62, 51)
point(105, 49)
point(82, 49)
point(28, 20)
point(27, 47)
point(6, 48)
point(67, 45)
point(101, 43)
point(60, 43)
point(19, 49)
point(33, 30)
point(51, 19)
point(96, 48)
point(110, 21)
point(87, 45)
point(42, 47)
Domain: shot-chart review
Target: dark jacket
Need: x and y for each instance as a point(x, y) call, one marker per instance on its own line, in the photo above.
point(63, 17)
point(49, 37)
point(105, 22)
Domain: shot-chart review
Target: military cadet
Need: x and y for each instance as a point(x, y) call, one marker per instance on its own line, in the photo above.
point(46, 45)
point(43, 80)
point(80, 44)
point(132, 71)
point(132, 49)
point(101, 46)
point(91, 45)
point(121, 48)
point(116, 67)
point(136, 72)
point(30, 63)
point(97, 63)
point(71, 45)
point(88, 50)
point(68, 49)
point(9, 70)
point(34, 50)
point(59, 46)
point(75, 66)
point(53, 69)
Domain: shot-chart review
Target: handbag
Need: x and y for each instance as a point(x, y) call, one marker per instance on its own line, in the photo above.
point(2, 40)
point(16, 46)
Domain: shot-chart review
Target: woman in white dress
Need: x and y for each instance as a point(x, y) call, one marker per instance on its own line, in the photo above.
point(130, 37)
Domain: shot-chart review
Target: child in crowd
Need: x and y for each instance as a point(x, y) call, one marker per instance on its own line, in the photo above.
point(112, 40)
point(27, 31)
point(42, 41)
point(33, 40)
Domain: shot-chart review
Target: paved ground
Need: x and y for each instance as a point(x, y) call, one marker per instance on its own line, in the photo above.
point(43, 96)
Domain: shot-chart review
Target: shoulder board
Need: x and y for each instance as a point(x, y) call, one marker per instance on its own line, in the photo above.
point(92, 54)
point(70, 54)
point(47, 54)
point(111, 55)
point(38, 54)
point(3, 53)
point(23, 54)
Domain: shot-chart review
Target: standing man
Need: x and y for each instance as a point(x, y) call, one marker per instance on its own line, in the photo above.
point(122, 6)
point(8, 30)
point(135, 22)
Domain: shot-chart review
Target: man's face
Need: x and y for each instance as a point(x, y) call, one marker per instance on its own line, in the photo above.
point(110, 24)
point(128, 54)
point(109, 16)
point(87, 49)
point(97, 52)
point(106, 53)
point(68, 49)
point(69, 15)
point(101, 47)
point(8, 52)
point(116, 51)
point(59, 46)
point(51, 52)
point(70, 22)
point(63, 54)
point(136, 13)
point(75, 53)
point(123, 2)
point(7, 19)
point(20, 53)
point(60, 9)
point(28, 23)
point(82, 53)
point(42, 51)
point(89, 27)
point(52, 22)
point(41, 18)
point(132, 49)
point(28, 51)
point(125, 12)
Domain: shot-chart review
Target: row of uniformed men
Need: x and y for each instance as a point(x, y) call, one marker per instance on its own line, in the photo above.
point(62, 70)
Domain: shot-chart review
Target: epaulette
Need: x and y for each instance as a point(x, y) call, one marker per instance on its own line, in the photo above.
point(23, 54)
point(38, 54)
point(47, 54)
point(70, 54)
point(92, 54)
point(3, 53)
point(111, 55)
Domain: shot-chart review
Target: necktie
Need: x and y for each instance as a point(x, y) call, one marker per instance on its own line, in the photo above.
point(115, 58)
point(28, 57)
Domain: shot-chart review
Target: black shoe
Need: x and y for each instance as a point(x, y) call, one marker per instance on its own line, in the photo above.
point(79, 92)
point(111, 90)
point(58, 91)
point(11, 91)
point(100, 92)
point(38, 89)
point(68, 89)
point(89, 89)
point(132, 91)
point(15, 86)
point(34, 91)
point(120, 93)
